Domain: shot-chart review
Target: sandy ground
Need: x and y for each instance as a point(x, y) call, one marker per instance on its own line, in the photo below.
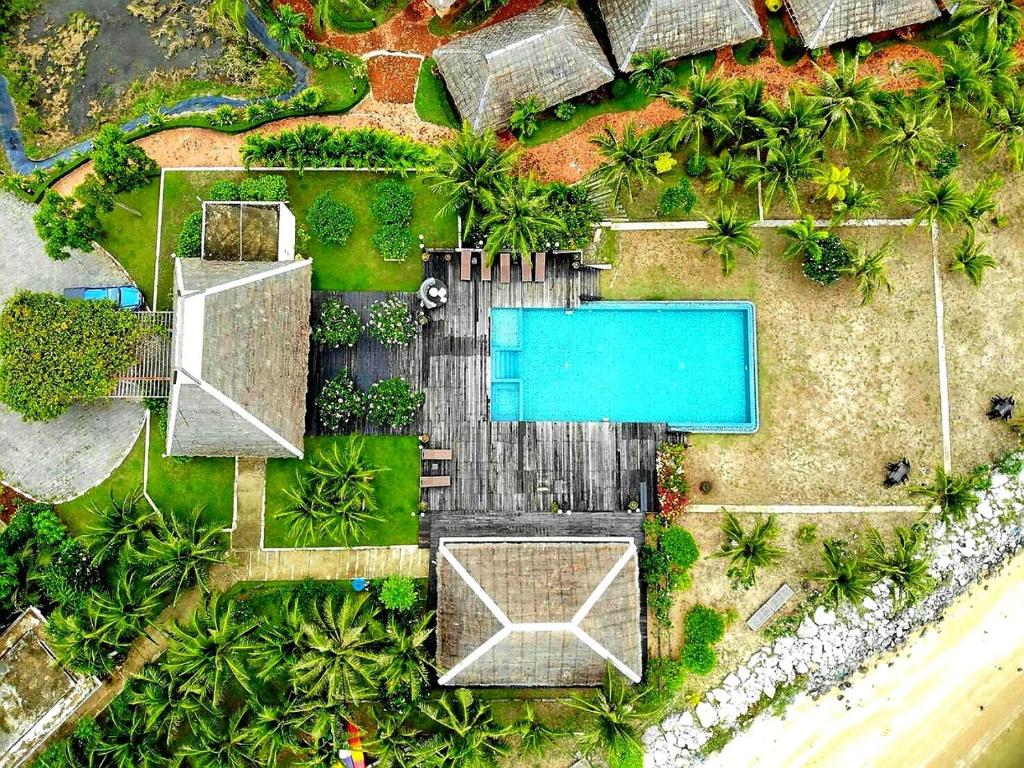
point(936, 703)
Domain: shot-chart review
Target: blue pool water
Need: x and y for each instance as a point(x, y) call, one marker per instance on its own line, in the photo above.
point(689, 364)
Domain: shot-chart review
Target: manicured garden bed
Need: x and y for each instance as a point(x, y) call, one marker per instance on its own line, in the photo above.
point(397, 492)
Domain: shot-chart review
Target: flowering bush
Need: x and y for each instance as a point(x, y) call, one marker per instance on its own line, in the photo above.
point(392, 403)
point(339, 325)
point(672, 485)
point(390, 322)
point(340, 401)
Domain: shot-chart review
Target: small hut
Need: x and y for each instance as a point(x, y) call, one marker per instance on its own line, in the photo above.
point(537, 612)
point(678, 27)
point(822, 23)
point(549, 53)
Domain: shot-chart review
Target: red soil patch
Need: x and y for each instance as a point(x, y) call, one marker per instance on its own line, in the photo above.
point(393, 78)
point(9, 500)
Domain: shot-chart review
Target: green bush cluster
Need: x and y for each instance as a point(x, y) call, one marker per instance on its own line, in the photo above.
point(340, 401)
point(317, 146)
point(225, 189)
point(565, 111)
point(681, 196)
point(65, 225)
point(573, 206)
point(390, 322)
point(392, 403)
point(696, 164)
point(827, 267)
point(267, 188)
point(330, 220)
point(392, 208)
point(398, 593)
point(394, 242)
point(703, 628)
point(665, 562)
point(190, 237)
point(339, 325)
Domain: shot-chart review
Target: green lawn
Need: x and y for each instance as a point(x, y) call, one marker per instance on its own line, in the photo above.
point(432, 102)
point(131, 238)
point(397, 491)
point(354, 266)
point(338, 84)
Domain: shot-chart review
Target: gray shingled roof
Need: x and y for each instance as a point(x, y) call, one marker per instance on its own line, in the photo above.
point(678, 27)
point(826, 22)
point(537, 612)
point(550, 53)
point(241, 355)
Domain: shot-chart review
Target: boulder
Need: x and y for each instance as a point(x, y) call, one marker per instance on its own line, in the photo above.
point(824, 617)
point(707, 715)
point(807, 629)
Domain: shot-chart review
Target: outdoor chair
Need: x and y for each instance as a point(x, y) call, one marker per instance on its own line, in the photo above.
point(435, 481)
point(897, 473)
point(1002, 408)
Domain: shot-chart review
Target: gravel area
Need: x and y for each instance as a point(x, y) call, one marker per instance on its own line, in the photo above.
point(63, 458)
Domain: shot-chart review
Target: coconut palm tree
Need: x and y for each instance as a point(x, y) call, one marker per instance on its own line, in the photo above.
point(953, 494)
point(651, 71)
point(970, 259)
point(868, 269)
point(748, 115)
point(286, 28)
point(232, 11)
point(209, 652)
point(939, 201)
point(748, 550)
point(800, 118)
point(83, 640)
point(466, 733)
point(393, 743)
point(806, 239)
point(847, 102)
point(326, 13)
point(859, 203)
point(957, 83)
point(519, 218)
point(119, 528)
point(990, 14)
point(905, 565)
point(279, 643)
point(844, 576)
point(534, 735)
point(126, 741)
point(725, 171)
point(629, 161)
point(321, 725)
point(268, 732)
point(169, 711)
point(707, 104)
point(1005, 129)
point(130, 606)
point(181, 554)
point(339, 661)
point(909, 137)
point(981, 201)
point(227, 746)
point(406, 660)
point(615, 715)
point(727, 233)
point(784, 166)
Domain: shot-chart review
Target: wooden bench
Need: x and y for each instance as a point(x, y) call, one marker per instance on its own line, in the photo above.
point(770, 608)
point(435, 481)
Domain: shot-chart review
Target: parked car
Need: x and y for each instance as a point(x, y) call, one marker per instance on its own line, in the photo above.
point(125, 296)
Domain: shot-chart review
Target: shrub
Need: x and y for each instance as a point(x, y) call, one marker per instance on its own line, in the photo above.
point(267, 188)
point(394, 242)
point(392, 203)
point(47, 527)
point(696, 164)
point(329, 220)
point(827, 268)
point(392, 403)
point(57, 352)
point(680, 196)
point(190, 238)
point(523, 121)
point(704, 626)
point(70, 575)
point(664, 163)
point(390, 322)
point(807, 534)
point(339, 325)
point(654, 564)
point(792, 49)
point(758, 49)
point(398, 593)
point(121, 165)
point(573, 206)
point(310, 99)
point(565, 111)
point(698, 658)
point(946, 161)
point(340, 401)
point(680, 547)
point(225, 189)
point(864, 49)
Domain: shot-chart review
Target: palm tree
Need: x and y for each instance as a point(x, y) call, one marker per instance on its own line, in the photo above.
point(534, 735)
point(953, 494)
point(392, 745)
point(268, 732)
point(844, 575)
point(406, 661)
point(182, 553)
point(959, 83)
point(339, 660)
point(970, 259)
point(127, 742)
point(227, 746)
point(908, 138)
point(749, 550)
point(629, 160)
point(519, 218)
point(747, 118)
point(938, 201)
point(326, 13)
point(210, 651)
point(286, 28)
point(120, 528)
point(466, 735)
point(130, 606)
point(847, 102)
point(725, 171)
point(169, 711)
point(467, 170)
point(707, 104)
point(233, 11)
point(982, 201)
point(868, 269)
point(800, 118)
point(859, 203)
point(279, 643)
point(906, 565)
point(615, 715)
point(651, 72)
point(785, 165)
point(806, 239)
point(992, 14)
point(83, 640)
point(727, 233)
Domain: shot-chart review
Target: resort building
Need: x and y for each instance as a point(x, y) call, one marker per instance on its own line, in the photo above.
point(822, 23)
point(678, 27)
point(537, 612)
point(549, 53)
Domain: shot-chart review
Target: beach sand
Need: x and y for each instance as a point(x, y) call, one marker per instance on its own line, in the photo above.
point(939, 701)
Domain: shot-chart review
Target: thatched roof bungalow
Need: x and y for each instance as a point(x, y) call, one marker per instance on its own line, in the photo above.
point(550, 53)
point(826, 22)
point(678, 27)
point(537, 612)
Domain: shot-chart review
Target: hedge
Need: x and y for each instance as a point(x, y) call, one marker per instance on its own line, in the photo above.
point(190, 238)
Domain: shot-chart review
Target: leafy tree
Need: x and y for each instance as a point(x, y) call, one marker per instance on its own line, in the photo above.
point(970, 259)
point(847, 102)
point(286, 28)
point(629, 162)
point(806, 239)
point(523, 121)
point(340, 401)
point(843, 576)
point(180, 554)
point(748, 550)
point(679, 546)
point(466, 732)
point(727, 233)
point(867, 268)
point(519, 218)
point(93, 192)
point(707, 105)
point(574, 206)
point(939, 201)
point(953, 494)
point(908, 137)
point(231, 11)
point(121, 165)
point(905, 565)
point(651, 71)
point(615, 715)
point(64, 225)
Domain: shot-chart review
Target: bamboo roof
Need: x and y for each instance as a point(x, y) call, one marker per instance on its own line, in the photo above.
point(826, 22)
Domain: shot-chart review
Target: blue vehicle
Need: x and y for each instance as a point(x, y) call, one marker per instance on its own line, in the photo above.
point(125, 296)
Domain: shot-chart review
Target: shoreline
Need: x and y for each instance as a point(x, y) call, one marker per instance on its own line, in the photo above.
point(940, 699)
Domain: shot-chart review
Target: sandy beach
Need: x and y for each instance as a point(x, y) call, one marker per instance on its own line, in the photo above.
point(938, 701)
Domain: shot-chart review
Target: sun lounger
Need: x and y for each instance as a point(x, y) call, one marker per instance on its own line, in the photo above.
point(465, 263)
point(435, 481)
point(505, 267)
point(485, 268)
point(436, 454)
point(527, 271)
point(539, 264)
point(770, 608)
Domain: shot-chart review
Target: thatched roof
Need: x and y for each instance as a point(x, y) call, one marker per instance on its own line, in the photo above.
point(241, 346)
point(826, 22)
point(537, 612)
point(678, 27)
point(550, 53)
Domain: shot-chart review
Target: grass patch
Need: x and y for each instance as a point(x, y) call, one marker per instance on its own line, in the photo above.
point(127, 478)
point(357, 17)
point(779, 33)
point(131, 238)
point(432, 101)
point(341, 87)
point(397, 491)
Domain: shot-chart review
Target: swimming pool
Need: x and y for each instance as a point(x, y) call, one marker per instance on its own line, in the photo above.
point(690, 364)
